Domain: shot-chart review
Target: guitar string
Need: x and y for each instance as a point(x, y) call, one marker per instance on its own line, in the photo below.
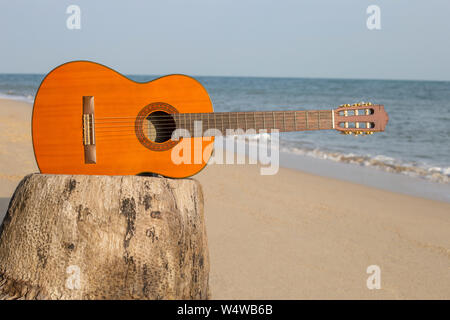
point(162, 127)
point(254, 125)
point(324, 125)
point(233, 117)
point(267, 130)
point(229, 114)
point(133, 135)
point(314, 117)
point(168, 123)
point(217, 121)
point(218, 113)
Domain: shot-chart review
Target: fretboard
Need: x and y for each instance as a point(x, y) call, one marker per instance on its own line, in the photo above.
point(283, 121)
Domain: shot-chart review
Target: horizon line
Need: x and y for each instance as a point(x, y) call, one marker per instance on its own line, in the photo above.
point(247, 76)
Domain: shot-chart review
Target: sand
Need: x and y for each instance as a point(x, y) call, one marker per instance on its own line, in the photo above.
point(292, 235)
point(16, 149)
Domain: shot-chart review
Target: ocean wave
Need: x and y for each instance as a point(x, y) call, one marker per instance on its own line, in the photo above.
point(386, 163)
point(383, 162)
point(12, 96)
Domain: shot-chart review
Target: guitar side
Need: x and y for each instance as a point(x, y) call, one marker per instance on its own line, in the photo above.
point(57, 123)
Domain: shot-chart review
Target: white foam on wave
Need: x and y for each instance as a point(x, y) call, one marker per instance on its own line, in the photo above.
point(386, 163)
point(28, 98)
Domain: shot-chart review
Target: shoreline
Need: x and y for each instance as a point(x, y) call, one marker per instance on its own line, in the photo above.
point(368, 176)
point(296, 234)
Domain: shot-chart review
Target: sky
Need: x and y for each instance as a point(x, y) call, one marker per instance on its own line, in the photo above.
point(262, 38)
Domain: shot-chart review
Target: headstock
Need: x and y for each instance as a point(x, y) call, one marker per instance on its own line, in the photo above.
point(360, 118)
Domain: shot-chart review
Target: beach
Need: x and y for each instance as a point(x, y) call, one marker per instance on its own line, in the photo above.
point(293, 235)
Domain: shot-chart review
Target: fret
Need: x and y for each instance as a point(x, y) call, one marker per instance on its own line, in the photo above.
point(175, 119)
point(284, 121)
point(201, 120)
point(206, 123)
point(237, 120)
point(295, 120)
point(223, 129)
point(229, 120)
point(216, 116)
point(264, 120)
point(194, 115)
point(190, 124)
point(254, 122)
point(245, 117)
point(306, 120)
point(273, 116)
point(318, 120)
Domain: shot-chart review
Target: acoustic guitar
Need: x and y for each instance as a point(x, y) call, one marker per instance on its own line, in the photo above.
point(89, 119)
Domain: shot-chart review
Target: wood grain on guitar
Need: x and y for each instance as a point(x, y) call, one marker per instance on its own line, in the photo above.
point(89, 119)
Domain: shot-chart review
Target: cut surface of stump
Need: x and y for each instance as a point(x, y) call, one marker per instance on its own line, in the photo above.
point(104, 237)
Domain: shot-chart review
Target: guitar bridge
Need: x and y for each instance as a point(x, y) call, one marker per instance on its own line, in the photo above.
point(90, 153)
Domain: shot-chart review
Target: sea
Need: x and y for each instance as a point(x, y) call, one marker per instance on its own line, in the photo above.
point(415, 144)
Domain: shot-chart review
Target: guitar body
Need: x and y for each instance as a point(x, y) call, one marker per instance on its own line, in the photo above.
point(117, 105)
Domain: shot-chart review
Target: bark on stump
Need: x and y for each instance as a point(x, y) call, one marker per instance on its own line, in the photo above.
point(102, 237)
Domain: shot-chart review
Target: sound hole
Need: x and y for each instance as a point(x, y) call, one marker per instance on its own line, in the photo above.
point(158, 126)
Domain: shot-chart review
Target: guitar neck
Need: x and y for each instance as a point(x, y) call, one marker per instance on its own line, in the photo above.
point(284, 121)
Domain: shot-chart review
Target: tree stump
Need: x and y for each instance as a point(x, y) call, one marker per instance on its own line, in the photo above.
point(104, 237)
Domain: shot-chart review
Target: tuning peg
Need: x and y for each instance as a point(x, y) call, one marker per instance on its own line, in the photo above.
point(369, 132)
point(358, 104)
